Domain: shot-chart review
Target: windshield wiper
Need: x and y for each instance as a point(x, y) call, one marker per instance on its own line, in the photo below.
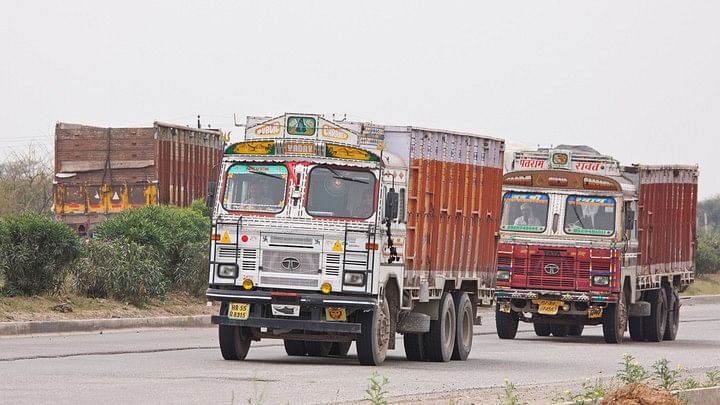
point(265, 174)
point(578, 216)
point(341, 177)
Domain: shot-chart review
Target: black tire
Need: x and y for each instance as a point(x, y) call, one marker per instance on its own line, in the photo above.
point(234, 342)
point(654, 325)
point(506, 323)
point(637, 333)
point(542, 329)
point(673, 318)
point(294, 347)
point(340, 349)
point(318, 349)
point(576, 330)
point(414, 346)
point(440, 340)
point(372, 342)
point(559, 330)
point(614, 320)
point(464, 326)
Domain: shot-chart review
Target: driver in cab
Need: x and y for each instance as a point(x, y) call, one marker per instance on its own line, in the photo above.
point(527, 217)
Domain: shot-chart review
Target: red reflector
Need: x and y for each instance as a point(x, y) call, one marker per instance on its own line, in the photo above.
point(371, 246)
point(215, 237)
point(283, 294)
point(244, 238)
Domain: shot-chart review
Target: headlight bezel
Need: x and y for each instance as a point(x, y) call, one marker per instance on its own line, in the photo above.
point(503, 275)
point(600, 280)
point(360, 283)
point(221, 270)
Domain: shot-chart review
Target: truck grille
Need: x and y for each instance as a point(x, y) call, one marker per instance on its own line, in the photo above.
point(247, 258)
point(538, 277)
point(290, 262)
point(332, 264)
point(288, 281)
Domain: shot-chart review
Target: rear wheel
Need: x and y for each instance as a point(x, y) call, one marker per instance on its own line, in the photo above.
point(542, 329)
point(414, 346)
point(673, 317)
point(614, 320)
point(559, 330)
point(340, 349)
point(318, 349)
point(234, 342)
point(637, 333)
point(440, 340)
point(294, 347)
point(654, 324)
point(506, 323)
point(372, 342)
point(464, 326)
point(576, 330)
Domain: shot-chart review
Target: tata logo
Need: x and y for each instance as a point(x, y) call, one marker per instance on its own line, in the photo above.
point(290, 264)
point(552, 269)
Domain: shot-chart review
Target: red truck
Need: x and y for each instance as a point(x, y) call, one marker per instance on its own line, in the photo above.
point(587, 241)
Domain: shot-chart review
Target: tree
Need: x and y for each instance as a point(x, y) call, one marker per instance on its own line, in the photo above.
point(26, 181)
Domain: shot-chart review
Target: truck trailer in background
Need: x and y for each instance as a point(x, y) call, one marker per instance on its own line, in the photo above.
point(103, 171)
point(327, 232)
point(587, 241)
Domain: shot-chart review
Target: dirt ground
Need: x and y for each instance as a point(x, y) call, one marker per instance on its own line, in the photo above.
point(639, 394)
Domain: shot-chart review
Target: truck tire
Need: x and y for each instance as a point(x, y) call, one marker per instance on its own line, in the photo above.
point(234, 342)
point(318, 349)
point(506, 324)
point(294, 347)
point(464, 326)
point(372, 342)
point(576, 330)
point(414, 346)
point(614, 320)
point(542, 329)
point(654, 325)
point(340, 349)
point(637, 333)
point(440, 340)
point(559, 330)
point(673, 318)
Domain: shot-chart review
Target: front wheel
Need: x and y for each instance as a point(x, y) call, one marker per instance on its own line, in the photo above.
point(234, 342)
point(372, 343)
point(614, 320)
point(506, 323)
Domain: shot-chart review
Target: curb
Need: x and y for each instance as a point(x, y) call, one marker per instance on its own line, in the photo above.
point(91, 325)
point(701, 299)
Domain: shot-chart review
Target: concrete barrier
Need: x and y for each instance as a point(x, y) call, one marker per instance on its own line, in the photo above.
point(90, 325)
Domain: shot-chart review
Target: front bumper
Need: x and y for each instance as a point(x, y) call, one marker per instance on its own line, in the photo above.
point(289, 324)
point(310, 299)
point(506, 294)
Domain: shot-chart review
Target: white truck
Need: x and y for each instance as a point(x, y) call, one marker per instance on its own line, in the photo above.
point(326, 232)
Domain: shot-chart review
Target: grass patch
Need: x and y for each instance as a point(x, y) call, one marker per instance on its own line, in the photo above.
point(703, 285)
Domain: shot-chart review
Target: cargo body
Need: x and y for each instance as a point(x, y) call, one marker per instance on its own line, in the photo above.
point(371, 230)
point(103, 171)
point(587, 241)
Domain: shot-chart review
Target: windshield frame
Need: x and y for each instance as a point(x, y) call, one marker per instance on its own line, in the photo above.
point(547, 211)
point(331, 168)
point(613, 216)
point(255, 164)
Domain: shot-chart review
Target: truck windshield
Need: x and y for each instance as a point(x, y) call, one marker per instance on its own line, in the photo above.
point(590, 215)
point(341, 193)
point(257, 188)
point(524, 212)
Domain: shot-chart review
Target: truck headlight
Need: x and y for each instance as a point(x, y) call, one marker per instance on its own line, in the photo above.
point(228, 270)
point(601, 280)
point(357, 279)
point(503, 275)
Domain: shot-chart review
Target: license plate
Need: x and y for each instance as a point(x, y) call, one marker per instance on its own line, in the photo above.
point(506, 308)
point(335, 314)
point(239, 311)
point(595, 312)
point(547, 307)
point(285, 310)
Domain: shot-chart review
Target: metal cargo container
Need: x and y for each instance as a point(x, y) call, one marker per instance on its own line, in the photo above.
point(101, 171)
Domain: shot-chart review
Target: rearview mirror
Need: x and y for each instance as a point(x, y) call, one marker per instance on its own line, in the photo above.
point(210, 200)
point(629, 219)
point(391, 204)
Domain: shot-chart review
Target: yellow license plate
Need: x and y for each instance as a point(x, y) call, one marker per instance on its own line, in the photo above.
point(506, 308)
point(595, 312)
point(239, 311)
point(547, 307)
point(335, 314)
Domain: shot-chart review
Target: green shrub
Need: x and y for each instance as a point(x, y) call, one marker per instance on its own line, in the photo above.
point(122, 270)
point(37, 254)
point(200, 206)
point(173, 234)
point(707, 259)
point(4, 244)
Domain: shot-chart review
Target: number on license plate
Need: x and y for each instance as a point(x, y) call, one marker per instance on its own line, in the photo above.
point(239, 311)
point(595, 312)
point(547, 307)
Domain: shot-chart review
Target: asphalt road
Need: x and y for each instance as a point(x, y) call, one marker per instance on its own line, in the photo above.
point(185, 366)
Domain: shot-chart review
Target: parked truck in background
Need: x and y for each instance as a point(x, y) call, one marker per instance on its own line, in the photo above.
point(100, 172)
point(327, 232)
point(587, 241)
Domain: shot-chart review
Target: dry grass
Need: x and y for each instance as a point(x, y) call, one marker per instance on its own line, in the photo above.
point(703, 285)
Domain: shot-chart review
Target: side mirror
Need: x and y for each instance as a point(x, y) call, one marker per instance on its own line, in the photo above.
point(210, 201)
point(391, 204)
point(629, 219)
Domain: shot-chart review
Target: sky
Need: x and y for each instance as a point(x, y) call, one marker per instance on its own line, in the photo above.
point(638, 80)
